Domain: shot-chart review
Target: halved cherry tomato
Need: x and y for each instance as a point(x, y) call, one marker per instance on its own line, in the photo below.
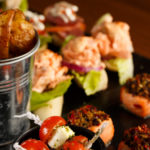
point(81, 139)
point(73, 145)
point(49, 125)
point(33, 144)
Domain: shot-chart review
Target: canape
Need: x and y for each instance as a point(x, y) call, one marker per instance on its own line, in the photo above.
point(62, 21)
point(91, 118)
point(137, 138)
point(135, 95)
point(82, 57)
point(115, 46)
point(50, 82)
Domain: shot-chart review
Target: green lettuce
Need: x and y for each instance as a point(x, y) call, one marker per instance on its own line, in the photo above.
point(40, 99)
point(45, 39)
point(90, 82)
point(67, 39)
point(24, 5)
point(124, 67)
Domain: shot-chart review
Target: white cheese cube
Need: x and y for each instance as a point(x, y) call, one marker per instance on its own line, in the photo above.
point(60, 136)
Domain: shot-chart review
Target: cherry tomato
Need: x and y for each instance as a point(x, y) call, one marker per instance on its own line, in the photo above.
point(73, 145)
point(33, 144)
point(49, 125)
point(81, 139)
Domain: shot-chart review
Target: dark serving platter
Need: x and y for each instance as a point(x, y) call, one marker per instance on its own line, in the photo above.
point(34, 133)
point(108, 101)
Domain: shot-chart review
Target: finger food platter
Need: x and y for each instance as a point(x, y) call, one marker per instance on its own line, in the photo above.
point(89, 86)
point(109, 101)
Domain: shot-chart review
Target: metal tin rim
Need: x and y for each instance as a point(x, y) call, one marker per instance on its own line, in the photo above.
point(24, 56)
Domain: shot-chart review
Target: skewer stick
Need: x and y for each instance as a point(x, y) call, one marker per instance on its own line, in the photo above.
point(89, 144)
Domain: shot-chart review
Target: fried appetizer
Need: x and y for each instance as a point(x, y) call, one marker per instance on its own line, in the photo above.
point(17, 35)
point(62, 21)
point(38, 21)
point(91, 118)
point(135, 95)
point(115, 46)
point(50, 82)
point(137, 138)
point(82, 57)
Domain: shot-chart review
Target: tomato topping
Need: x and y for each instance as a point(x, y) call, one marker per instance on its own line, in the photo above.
point(73, 145)
point(66, 28)
point(41, 32)
point(49, 125)
point(33, 144)
point(81, 139)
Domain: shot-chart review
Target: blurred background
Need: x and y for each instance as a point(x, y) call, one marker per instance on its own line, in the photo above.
point(135, 12)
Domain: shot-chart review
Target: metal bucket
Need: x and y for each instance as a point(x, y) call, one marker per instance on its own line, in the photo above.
point(15, 91)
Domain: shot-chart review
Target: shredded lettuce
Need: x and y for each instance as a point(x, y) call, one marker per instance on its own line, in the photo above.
point(40, 99)
point(124, 67)
point(45, 39)
point(67, 39)
point(90, 82)
point(24, 5)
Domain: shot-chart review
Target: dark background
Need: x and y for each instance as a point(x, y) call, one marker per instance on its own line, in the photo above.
point(135, 12)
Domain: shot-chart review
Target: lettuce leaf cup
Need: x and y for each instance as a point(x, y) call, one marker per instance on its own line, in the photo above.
point(115, 46)
point(82, 57)
point(50, 83)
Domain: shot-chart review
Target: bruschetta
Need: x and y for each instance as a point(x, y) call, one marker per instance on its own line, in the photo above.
point(137, 138)
point(135, 95)
point(91, 118)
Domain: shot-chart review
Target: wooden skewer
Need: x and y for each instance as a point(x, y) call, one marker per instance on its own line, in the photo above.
point(89, 144)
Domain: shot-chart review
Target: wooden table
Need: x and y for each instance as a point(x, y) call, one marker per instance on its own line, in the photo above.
point(135, 12)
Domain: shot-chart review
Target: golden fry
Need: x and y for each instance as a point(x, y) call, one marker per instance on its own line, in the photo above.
point(6, 19)
point(22, 37)
point(17, 36)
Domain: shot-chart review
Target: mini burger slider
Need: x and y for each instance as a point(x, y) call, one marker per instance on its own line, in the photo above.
point(137, 138)
point(38, 21)
point(17, 35)
point(82, 57)
point(62, 21)
point(50, 82)
point(135, 95)
point(115, 46)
